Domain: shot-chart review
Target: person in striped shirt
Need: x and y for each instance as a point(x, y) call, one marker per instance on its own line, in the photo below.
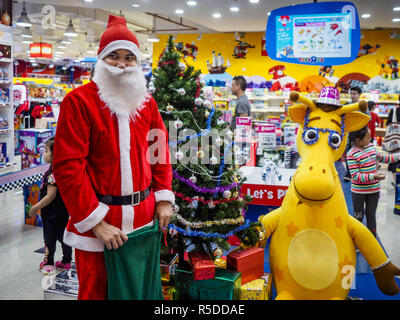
point(362, 160)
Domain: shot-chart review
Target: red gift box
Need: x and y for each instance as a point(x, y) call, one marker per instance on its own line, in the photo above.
point(203, 267)
point(249, 262)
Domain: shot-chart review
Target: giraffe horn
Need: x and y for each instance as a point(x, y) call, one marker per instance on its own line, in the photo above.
point(296, 97)
point(358, 106)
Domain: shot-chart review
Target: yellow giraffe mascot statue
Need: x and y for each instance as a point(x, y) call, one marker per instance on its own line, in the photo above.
point(313, 237)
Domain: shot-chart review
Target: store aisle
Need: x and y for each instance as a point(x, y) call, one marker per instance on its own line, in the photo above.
point(20, 278)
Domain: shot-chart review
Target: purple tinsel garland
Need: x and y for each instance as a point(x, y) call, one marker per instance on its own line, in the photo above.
point(204, 189)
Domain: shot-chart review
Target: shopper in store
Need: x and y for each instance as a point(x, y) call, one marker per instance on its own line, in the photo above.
point(243, 107)
point(365, 178)
point(374, 119)
point(54, 216)
point(355, 93)
point(392, 166)
point(101, 162)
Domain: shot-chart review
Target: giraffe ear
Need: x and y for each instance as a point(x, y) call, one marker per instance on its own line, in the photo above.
point(297, 113)
point(355, 120)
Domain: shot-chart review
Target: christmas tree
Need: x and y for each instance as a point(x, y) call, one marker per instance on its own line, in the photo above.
point(209, 207)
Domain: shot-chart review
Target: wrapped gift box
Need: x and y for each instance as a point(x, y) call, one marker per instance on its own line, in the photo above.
point(225, 286)
point(249, 262)
point(202, 266)
point(259, 289)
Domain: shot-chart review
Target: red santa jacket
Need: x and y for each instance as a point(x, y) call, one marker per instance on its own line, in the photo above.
point(96, 152)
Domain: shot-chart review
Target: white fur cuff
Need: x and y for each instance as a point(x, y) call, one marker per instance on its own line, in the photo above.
point(93, 219)
point(165, 195)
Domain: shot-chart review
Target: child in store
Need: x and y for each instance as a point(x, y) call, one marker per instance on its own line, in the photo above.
point(54, 216)
point(374, 119)
point(362, 160)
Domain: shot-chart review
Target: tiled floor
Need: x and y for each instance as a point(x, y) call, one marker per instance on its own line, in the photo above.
point(19, 275)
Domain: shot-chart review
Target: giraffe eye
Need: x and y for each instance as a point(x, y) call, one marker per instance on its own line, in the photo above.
point(335, 140)
point(310, 136)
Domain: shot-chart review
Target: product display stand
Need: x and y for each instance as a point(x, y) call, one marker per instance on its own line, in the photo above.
point(7, 163)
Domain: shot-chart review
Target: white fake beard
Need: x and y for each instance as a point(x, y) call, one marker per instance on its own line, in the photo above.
point(122, 90)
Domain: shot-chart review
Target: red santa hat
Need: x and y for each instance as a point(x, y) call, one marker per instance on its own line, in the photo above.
point(118, 36)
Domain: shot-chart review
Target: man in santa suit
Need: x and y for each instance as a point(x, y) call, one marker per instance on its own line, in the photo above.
point(108, 182)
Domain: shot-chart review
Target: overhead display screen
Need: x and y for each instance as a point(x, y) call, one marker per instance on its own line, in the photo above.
point(307, 34)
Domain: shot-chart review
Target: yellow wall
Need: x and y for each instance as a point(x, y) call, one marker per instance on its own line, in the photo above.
point(255, 64)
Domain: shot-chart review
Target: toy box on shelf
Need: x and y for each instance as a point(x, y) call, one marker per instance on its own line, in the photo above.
point(222, 93)
point(3, 154)
point(31, 143)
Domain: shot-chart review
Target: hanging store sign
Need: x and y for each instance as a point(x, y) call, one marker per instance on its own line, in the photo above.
point(41, 50)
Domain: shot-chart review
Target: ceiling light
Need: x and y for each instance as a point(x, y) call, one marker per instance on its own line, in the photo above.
point(34, 64)
point(254, 1)
point(70, 31)
point(27, 40)
point(26, 33)
point(396, 9)
point(87, 0)
point(66, 40)
point(365, 15)
point(179, 11)
point(135, 5)
point(64, 68)
point(23, 20)
point(191, 3)
point(396, 19)
point(216, 15)
point(234, 9)
point(61, 46)
point(153, 38)
point(51, 66)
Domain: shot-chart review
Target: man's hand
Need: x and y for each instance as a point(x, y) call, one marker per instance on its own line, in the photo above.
point(110, 235)
point(163, 213)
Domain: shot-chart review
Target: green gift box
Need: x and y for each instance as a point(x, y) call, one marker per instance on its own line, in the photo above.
point(225, 286)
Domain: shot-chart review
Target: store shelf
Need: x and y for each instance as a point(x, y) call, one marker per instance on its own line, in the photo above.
point(387, 102)
point(9, 167)
point(383, 115)
point(5, 82)
point(7, 60)
point(45, 100)
point(4, 131)
point(267, 110)
point(4, 104)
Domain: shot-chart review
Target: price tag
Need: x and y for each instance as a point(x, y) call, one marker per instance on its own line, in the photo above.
point(374, 95)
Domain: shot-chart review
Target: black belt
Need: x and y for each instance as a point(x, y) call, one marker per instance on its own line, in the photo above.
point(132, 199)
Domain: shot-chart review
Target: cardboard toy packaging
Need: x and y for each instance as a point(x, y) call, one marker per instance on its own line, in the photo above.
point(63, 286)
point(202, 266)
point(249, 262)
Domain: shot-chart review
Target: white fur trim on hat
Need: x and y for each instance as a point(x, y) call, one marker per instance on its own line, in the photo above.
point(120, 44)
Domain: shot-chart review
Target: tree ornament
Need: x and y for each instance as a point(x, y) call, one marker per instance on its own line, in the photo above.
point(227, 194)
point(181, 91)
point(193, 179)
point(170, 108)
point(261, 236)
point(179, 155)
point(218, 142)
point(203, 82)
point(207, 104)
point(152, 90)
point(213, 160)
point(182, 66)
point(178, 124)
point(211, 205)
point(173, 233)
point(218, 252)
point(206, 114)
point(229, 134)
point(235, 194)
point(175, 208)
point(220, 122)
point(198, 101)
point(200, 154)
